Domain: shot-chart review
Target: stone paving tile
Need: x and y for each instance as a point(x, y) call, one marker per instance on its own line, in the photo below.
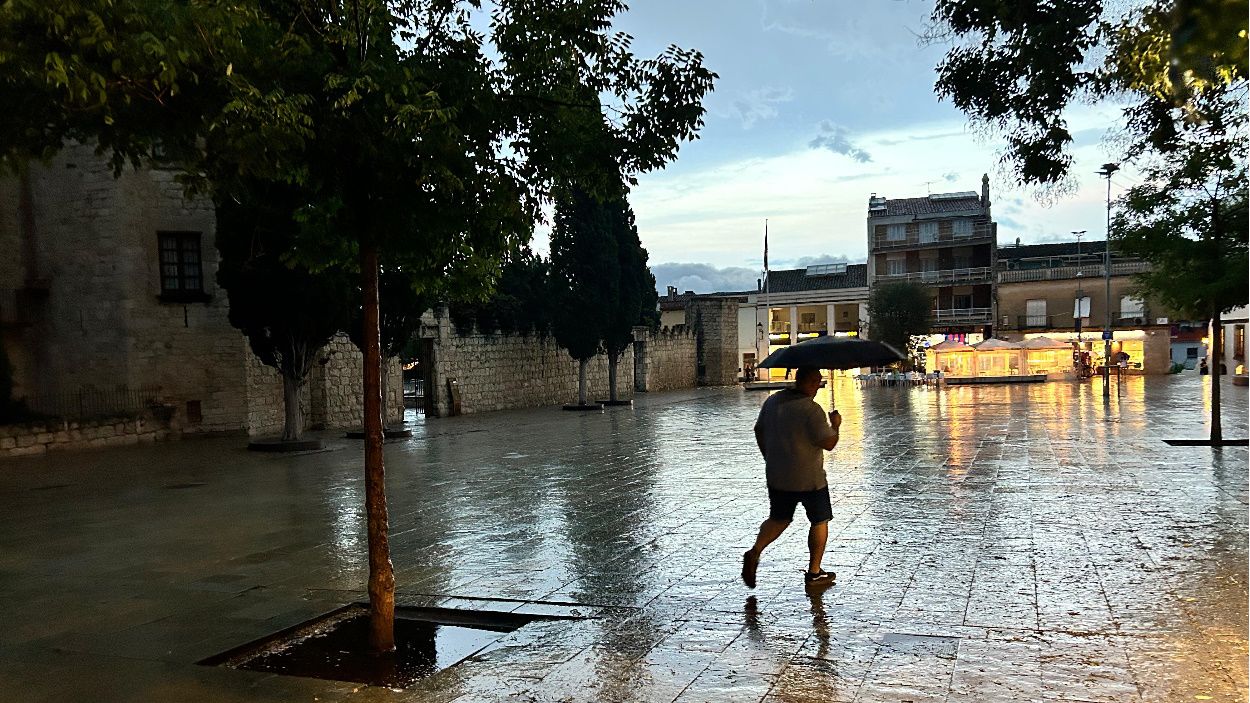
point(991, 544)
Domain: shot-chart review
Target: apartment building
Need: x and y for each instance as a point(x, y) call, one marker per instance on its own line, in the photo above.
point(946, 242)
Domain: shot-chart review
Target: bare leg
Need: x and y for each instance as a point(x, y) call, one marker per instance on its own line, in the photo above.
point(816, 538)
point(770, 530)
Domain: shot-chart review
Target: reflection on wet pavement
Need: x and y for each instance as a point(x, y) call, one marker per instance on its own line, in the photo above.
point(1003, 543)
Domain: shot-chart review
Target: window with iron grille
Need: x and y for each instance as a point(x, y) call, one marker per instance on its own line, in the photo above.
point(182, 276)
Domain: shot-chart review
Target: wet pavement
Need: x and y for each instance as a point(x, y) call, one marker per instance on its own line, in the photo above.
point(1009, 543)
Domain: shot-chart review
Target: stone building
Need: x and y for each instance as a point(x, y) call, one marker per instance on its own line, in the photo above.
point(945, 241)
point(109, 304)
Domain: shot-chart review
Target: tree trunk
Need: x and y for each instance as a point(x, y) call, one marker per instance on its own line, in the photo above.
point(581, 380)
point(1217, 349)
point(293, 426)
point(381, 573)
point(613, 360)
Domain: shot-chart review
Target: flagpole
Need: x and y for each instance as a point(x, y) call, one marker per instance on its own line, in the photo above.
point(768, 313)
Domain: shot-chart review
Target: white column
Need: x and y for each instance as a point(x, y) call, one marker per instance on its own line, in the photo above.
point(831, 318)
point(863, 314)
point(794, 324)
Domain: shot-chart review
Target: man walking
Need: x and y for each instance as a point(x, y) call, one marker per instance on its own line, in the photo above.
point(793, 434)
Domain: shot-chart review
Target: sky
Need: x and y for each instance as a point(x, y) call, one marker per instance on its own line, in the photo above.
point(820, 103)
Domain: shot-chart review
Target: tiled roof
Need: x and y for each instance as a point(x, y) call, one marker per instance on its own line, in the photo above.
point(926, 206)
point(1037, 251)
point(793, 280)
point(679, 301)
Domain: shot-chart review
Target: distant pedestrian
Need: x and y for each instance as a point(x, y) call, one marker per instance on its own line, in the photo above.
point(1203, 368)
point(793, 433)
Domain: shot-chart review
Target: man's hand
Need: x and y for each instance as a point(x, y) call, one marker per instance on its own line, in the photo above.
point(835, 419)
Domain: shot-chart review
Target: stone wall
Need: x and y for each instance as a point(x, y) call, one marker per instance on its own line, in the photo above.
point(715, 323)
point(38, 439)
point(498, 372)
point(332, 398)
point(81, 305)
point(336, 387)
point(665, 359)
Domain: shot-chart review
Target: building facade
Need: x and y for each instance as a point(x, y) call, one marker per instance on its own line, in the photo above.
point(1233, 356)
point(1060, 291)
point(800, 304)
point(948, 243)
point(109, 304)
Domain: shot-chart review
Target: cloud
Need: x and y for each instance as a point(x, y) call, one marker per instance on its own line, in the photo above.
point(805, 261)
point(761, 104)
point(835, 138)
point(703, 278)
point(907, 139)
point(950, 177)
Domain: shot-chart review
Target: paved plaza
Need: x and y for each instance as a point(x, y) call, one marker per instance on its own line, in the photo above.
point(998, 543)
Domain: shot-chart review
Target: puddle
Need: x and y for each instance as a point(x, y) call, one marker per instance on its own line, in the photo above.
point(335, 646)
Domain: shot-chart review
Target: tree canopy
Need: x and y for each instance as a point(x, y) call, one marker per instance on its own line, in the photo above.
point(1188, 216)
point(899, 311)
point(1015, 67)
point(288, 313)
point(412, 142)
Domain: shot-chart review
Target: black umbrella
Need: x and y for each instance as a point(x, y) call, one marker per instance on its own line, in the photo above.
point(832, 353)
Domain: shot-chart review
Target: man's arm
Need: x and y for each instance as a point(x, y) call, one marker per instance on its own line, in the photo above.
point(759, 440)
point(831, 441)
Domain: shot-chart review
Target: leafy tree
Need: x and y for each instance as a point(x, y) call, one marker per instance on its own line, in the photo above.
point(1188, 216)
point(519, 304)
point(584, 276)
point(288, 313)
point(899, 311)
point(411, 144)
point(1016, 67)
point(636, 297)
point(1180, 66)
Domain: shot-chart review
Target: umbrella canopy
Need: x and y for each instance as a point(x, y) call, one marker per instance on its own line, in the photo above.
point(1044, 343)
point(949, 345)
point(832, 353)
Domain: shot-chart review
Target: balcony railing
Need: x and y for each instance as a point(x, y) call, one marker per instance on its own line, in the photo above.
point(1025, 322)
point(979, 274)
point(979, 231)
point(1059, 273)
point(962, 316)
point(1065, 321)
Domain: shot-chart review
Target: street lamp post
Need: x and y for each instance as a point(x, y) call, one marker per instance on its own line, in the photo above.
point(1107, 170)
point(1079, 293)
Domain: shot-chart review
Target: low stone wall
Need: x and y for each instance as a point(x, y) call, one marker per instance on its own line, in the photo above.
point(667, 359)
point(331, 399)
point(335, 386)
point(499, 372)
point(41, 438)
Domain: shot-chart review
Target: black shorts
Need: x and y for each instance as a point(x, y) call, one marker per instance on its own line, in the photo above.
point(781, 504)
